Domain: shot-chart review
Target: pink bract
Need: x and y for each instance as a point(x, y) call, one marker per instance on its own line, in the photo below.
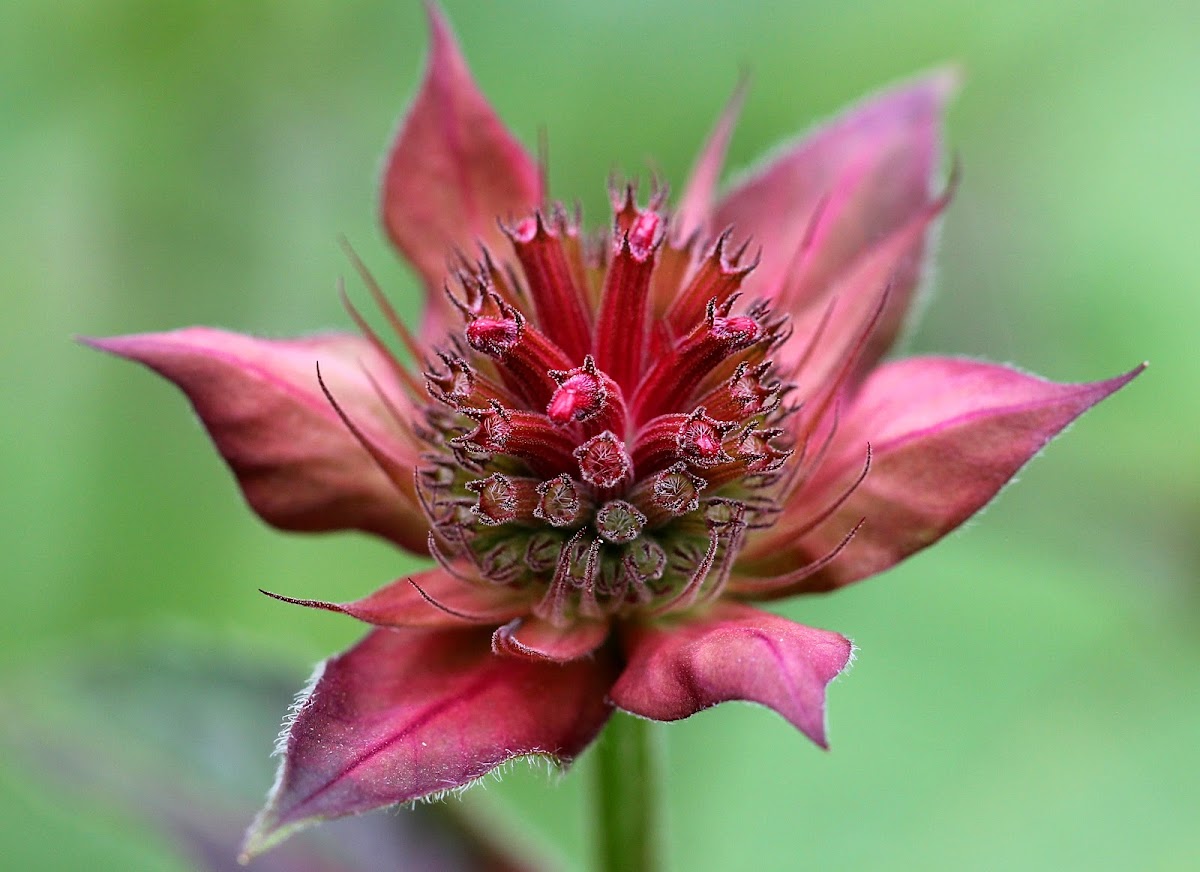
point(618, 440)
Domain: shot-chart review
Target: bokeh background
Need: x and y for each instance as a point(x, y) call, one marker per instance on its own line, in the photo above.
point(1026, 694)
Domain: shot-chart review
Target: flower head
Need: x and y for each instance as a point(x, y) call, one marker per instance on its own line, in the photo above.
point(614, 443)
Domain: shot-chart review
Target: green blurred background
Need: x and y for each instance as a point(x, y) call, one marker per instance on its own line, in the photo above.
point(1026, 694)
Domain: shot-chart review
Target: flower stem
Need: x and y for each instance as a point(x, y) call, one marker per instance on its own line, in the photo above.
point(628, 795)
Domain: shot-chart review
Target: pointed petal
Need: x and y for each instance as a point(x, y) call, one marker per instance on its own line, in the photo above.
point(537, 639)
point(428, 599)
point(855, 320)
point(407, 714)
point(946, 435)
point(453, 170)
point(695, 206)
point(298, 465)
point(733, 652)
point(820, 204)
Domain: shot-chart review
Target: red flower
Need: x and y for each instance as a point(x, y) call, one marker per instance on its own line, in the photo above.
point(618, 442)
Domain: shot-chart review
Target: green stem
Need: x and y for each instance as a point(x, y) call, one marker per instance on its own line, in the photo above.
point(628, 795)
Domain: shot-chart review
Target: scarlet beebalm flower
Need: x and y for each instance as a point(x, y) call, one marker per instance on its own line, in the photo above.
point(618, 441)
